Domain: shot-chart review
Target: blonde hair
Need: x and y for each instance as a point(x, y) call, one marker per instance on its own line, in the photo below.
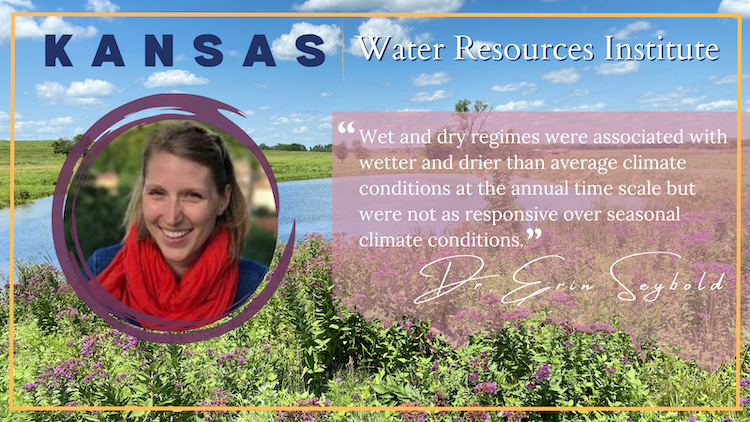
point(188, 140)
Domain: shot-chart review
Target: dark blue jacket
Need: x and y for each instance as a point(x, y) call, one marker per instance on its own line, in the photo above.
point(251, 273)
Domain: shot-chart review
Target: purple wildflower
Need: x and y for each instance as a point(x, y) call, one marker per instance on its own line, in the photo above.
point(542, 373)
point(486, 388)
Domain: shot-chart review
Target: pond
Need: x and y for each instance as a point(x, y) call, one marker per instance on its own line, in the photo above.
point(309, 202)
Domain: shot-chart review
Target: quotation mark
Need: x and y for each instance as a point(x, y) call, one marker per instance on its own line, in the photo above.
point(531, 232)
point(349, 128)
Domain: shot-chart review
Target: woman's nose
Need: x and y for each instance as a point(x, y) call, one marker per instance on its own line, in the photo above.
point(173, 213)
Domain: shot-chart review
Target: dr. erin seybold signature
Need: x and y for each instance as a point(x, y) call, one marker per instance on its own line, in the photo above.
point(652, 291)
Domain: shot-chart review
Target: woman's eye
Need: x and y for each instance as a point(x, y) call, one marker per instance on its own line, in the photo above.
point(194, 195)
point(156, 192)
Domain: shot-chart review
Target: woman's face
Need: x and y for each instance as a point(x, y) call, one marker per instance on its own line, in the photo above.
point(180, 208)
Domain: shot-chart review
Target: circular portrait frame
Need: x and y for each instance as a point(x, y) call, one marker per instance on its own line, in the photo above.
point(94, 141)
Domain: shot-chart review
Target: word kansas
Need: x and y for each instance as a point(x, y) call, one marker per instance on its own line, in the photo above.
point(109, 51)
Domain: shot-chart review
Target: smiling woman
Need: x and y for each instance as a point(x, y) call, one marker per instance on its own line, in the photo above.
point(186, 224)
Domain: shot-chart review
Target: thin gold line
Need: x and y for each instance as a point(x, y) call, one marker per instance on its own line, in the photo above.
point(342, 15)
point(738, 285)
point(392, 15)
point(12, 195)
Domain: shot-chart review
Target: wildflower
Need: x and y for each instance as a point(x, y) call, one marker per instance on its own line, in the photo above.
point(486, 388)
point(610, 369)
point(241, 360)
point(744, 401)
point(745, 382)
point(121, 376)
point(474, 376)
point(542, 373)
point(338, 380)
point(530, 386)
point(597, 348)
point(409, 324)
point(568, 343)
point(434, 366)
point(691, 419)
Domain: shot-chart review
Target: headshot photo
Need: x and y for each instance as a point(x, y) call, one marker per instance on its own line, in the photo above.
point(180, 223)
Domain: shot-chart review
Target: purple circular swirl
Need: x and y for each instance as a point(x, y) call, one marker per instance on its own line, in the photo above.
point(104, 131)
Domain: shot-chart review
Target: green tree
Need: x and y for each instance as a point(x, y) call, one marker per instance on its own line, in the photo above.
point(361, 152)
point(436, 150)
point(63, 145)
point(341, 151)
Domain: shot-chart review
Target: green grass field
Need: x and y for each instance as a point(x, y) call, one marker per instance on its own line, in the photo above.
point(299, 165)
point(37, 168)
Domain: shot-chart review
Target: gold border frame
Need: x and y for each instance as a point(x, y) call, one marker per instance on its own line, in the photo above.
point(365, 15)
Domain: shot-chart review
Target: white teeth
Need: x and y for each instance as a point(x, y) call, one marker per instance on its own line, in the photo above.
point(175, 235)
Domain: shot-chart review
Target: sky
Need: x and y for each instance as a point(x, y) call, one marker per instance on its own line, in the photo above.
point(290, 102)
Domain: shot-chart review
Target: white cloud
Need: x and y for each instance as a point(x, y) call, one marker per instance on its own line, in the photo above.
point(301, 129)
point(731, 79)
point(80, 93)
point(5, 116)
point(33, 128)
point(735, 6)
point(61, 120)
point(91, 88)
point(326, 94)
point(294, 118)
point(382, 27)
point(583, 107)
point(520, 105)
point(563, 76)
point(180, 57)
point(625, 33)
point(619, 68)
point(438, 78)
point(671, 99)
point(234, 53)
point(264, 108)
point(440, 94)
point(27, 27)
point(101, 6)
point(414, 109)
point(660, 33)
point(717, 105)
point(248, 112)
point(426, 6)
point(529, 87)
point(259, 85)
point(173, 77)
point(284, 47)
point(578, 93)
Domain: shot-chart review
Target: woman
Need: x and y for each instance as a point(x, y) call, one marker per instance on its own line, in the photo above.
point(186, 224)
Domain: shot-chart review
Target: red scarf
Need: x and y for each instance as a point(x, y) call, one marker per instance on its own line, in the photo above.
point(140, 278)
